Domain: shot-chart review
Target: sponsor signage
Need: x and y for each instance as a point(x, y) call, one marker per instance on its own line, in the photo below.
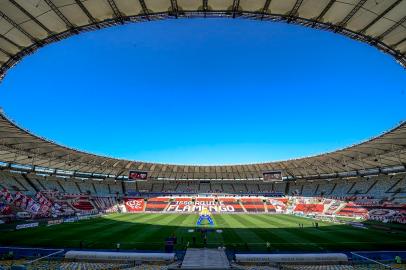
point(70, 220)
point(54, 222)
point(295, 258)
point(119, 256)
point(27, 225)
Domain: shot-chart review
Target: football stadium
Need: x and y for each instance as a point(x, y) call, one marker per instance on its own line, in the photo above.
point(63, 208)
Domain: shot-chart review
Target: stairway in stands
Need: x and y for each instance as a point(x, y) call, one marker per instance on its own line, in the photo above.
point(205, 258)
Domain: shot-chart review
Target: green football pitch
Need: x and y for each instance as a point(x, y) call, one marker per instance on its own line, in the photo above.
point(240, 232)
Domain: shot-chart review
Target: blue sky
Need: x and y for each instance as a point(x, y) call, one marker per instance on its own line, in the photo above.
point(206, 91)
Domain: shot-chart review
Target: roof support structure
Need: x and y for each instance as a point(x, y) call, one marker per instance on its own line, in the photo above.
point(85, 11)
point(295, 8)
point(347, 18)
point(115, 10)
point(399, 42)
point(18, 27)
point(266, 7)
point(205, 5)
point(236, 5)
point(380, 16)
point(144, 9)
point(325, 10)
point(29, 15)
point(11, 42)
point(393, 27)
point(6, 52)
point(56, 10)
point(174, 6)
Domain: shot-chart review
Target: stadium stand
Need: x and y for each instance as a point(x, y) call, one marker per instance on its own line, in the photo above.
point(50, 183)
point(228, 188)
point(337, 197)
point(115, 187)
point(101, 188)
point(86, 187)
point(69, 186)
point(309, 190)
point(216, 187)
point(324, 188)
point(341, 188)
point(144, 186)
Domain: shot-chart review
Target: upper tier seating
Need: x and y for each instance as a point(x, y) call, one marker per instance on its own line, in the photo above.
point(216, 187)
point(169, 187)
point(115, 187)
point(399, 187)
point(325, 188)
point(144, 186)
point(12, 182)
point(50, 183)
point(279, 187)
point(341, 189)
point(240, 188)
point(295, 188)
point(157, 187)
point(101, 188)
point(308, 190)
point(383, 184)
point(228, 188)
point(204, 188)
point(69, 186)
point(86, 186)
point(360, 186)
point(252, 188)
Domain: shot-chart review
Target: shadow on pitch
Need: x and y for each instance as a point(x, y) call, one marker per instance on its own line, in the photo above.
point(105, 233)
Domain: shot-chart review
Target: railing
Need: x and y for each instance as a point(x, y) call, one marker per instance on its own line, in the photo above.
point(359, 260)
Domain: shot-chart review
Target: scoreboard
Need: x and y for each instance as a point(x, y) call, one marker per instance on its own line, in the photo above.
point(137, 175)
point(272, 176)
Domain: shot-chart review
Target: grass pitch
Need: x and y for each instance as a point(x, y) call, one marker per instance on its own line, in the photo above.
point(240, 232)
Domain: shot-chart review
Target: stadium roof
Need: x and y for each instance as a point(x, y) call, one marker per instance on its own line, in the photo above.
point(27, 25)
point(18, 146)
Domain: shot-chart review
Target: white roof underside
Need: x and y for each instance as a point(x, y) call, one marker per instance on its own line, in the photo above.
point(26, 25)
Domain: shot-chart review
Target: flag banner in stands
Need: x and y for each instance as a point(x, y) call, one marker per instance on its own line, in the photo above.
point(137, 175)
point(272, 176)
point(198, 206)
point(134, 205)
point(5, 209)
point(6, 195)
